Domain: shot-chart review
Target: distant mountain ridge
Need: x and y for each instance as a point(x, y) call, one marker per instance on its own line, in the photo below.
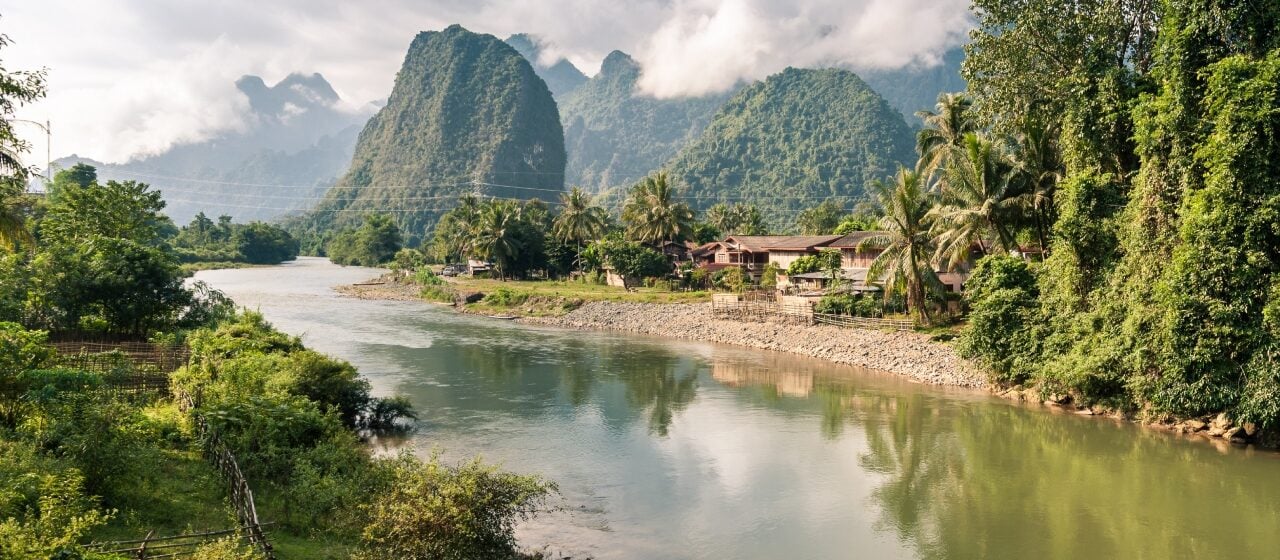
point(467, 114)
point(793, 140)
point(298, 135)
point(615, 136)
point(562, 77)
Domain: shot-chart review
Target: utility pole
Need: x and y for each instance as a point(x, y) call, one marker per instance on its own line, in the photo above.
point(48, 148)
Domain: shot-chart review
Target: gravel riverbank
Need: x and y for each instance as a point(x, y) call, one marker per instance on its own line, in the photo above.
point(903, 353)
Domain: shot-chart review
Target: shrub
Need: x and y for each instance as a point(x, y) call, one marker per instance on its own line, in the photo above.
point(996, 272)
point(20, 350)
point(44, 509)
point(732, 279)
point(432, 510)
point(769, 278)
point(440, 294)
point(506, 297)
point(224, 549)
point(332, 383)
point(804, 265)
point(999, 336)
point(425, 277)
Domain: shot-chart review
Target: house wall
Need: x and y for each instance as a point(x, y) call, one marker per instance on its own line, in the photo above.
point(853, 258)
point(954, 280)
point(784, 258)
point(614, 279)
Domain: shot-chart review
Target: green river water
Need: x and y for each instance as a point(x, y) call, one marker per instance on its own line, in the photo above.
point(667, 449)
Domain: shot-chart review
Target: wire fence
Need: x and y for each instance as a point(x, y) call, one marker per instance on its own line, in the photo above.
point(142, 367)
point(238, 490)
point(152, 547)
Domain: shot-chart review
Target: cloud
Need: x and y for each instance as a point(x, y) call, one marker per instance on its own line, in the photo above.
point(130, 77)
point(707, 46)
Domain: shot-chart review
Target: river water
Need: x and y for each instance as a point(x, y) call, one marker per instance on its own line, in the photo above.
point(667, 449)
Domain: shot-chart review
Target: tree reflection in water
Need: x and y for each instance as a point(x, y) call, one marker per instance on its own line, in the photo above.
point(658, 382)
point(979, 477)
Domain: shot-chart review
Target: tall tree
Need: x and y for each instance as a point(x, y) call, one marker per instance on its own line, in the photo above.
point(580, 220)
point(17, 88)
point(822, 219)
point(944, 130)
point(1039, 170)
point(979, 204)
point(497, 236)
point(906, 262)
point(13, 217)
point(123, 210)
point(653, 215)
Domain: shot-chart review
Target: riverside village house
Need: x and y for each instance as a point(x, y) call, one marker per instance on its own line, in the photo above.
point(753, 252)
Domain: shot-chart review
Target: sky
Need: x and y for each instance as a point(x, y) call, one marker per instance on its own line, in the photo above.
point(133, 77)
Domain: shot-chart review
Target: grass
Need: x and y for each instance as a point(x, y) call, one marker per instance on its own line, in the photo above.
point(185, 495)
point(182, 493)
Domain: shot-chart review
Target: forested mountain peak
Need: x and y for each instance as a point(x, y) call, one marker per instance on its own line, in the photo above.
point(799, 136)
point(618, 62)
point(616, 135)
point(467, 113)
point(300, 90)
point(561, 76)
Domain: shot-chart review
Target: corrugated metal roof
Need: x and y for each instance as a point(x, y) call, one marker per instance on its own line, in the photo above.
point(853, 239)
point(781, 242)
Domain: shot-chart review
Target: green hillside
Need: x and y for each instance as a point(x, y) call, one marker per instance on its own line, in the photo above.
point(793, 140)
point(466, 109)
point(615, 136)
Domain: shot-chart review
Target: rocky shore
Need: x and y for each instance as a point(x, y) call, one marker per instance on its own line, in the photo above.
point(904, 353)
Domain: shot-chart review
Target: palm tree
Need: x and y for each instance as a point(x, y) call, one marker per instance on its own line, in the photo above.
point(652, 214)
point(1040, 169)
point(722, 218)
point(906, 260)
point(13, 223)
point(943, 130)
point(580, 220)
point(748, 220)
point(496, 238)
point(979, 201)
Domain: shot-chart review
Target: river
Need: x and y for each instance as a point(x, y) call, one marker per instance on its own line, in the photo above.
point(667, 449)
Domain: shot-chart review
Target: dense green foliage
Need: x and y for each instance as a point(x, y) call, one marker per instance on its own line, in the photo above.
point(374, 243)
point(100, 261)
point(796, 138)
point(654, 214)
point(466, 109)
point(203, 240)
point(616, 136)
point(435, 511)
point(1160, 288)
point(516, 238)
point(632, 261)
point(738, 219)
